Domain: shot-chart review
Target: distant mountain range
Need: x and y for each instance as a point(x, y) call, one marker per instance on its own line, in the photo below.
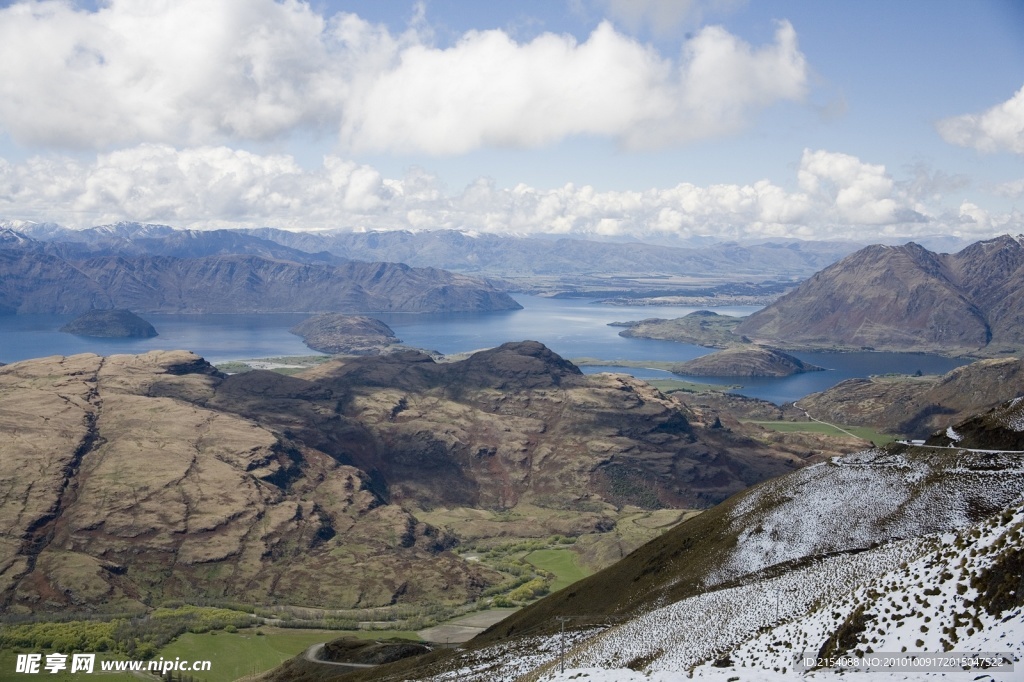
point(905, 298)
point(465, 252)
point(156, 270)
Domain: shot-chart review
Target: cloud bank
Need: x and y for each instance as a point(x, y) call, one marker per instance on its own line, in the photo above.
point(836, 196)
point(192, 72)
point(998, 129)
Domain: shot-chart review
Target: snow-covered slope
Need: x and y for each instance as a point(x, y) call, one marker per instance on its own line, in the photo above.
point(941, 593)
point(902, 551)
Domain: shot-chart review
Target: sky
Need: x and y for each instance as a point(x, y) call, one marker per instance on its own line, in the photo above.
point(655, 120)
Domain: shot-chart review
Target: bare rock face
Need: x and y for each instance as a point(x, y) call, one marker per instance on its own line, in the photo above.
point(114, 324)
point(335, 333)
point(905, 298)
point(746, 361)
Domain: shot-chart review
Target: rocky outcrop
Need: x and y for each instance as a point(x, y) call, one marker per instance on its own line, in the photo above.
point(745, 361)
point(905, 298)
point(335, 333)
point(113, 324)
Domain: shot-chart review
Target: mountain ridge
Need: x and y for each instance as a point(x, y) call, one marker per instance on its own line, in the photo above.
point(479, 253)
point(33, 279)
point(905, 298)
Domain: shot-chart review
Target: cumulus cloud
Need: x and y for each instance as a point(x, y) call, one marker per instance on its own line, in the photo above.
point(859, 193)
point(187, 71)
point(196, 186)
point(194, 72)
point(837, 196)
point(495, 92)
point(1000, 128)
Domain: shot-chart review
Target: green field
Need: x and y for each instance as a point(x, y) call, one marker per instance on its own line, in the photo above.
point(291, 364)
point(670, 385)
point(863, 432)
point(561, 562)
point(243, 653)
point(232, 655)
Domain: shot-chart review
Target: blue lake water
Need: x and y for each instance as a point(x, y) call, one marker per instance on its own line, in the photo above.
point(572, 328)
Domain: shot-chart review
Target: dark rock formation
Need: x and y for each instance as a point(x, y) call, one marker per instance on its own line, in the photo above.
point(371, 652)
point(112, 324)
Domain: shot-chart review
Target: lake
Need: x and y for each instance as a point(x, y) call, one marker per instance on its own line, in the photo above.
point(573, 328)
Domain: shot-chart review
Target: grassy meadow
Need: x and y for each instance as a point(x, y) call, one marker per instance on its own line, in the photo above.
point(866, 433)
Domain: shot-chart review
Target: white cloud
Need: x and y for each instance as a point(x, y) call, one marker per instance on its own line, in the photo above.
point(195, 72)
point(187, 71)
point(859, 193)
point(839, 196)
point(1000, 128)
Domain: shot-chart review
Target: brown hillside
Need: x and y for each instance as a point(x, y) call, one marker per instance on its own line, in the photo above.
point(881, 297)
point(917, 407)
point(130, 480)
point(905, 298)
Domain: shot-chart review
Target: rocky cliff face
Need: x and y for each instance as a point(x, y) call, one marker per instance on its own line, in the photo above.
point(33, 279)
point(905, 298)
point(132, 479)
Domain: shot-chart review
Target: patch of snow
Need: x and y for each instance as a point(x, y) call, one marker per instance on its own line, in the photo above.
point(1012, 415)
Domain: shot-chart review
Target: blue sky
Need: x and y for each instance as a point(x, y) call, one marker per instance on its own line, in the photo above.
point(653, 119)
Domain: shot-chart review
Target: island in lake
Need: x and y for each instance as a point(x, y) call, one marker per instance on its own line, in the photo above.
point(110, 324)
point(336, 333)
point(745, 361)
